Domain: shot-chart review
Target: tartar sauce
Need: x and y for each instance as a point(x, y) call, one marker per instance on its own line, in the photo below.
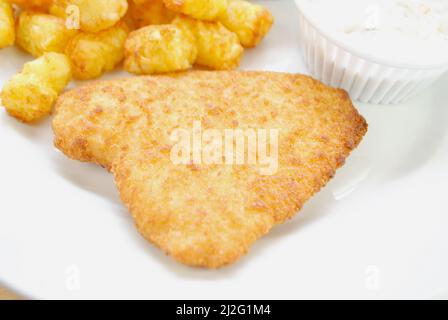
point(405, 31)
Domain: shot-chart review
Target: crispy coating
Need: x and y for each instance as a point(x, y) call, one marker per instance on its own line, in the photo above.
point(38, 33)
point(30, 95)
point(251, 22)
point(94, 15)
point(36, 5)
point(198, 9)
point(159, 49)
point(93, 54)
point(148, 12)
point(209, 215)
point(218, 48)
point(7, 32)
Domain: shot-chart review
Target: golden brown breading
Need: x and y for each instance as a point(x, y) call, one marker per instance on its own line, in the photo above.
point(209, 215)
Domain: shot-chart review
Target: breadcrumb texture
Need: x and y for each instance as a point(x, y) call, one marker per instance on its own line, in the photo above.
point(148, 12)
point(7, 32)
point(218, 48)
point(94, 15)
point(198, 9)
point(38, 33)
point(30, 95)
point(251, 22)
point(209, 215)
point(159, 49)
point(93, 54)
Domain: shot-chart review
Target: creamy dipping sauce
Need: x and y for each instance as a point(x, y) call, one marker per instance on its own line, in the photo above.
point(413, 32)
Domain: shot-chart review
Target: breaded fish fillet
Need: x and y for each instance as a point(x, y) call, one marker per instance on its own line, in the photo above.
point(209, 215)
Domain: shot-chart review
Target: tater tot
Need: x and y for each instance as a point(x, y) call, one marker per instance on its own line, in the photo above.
point(37, 5)
point(198, 9)
point(38, 33)
point(158, 49)
point(30, 95)
point(129, 20)
point(218, 48)
point(93, 54)
point(7, 33)
point(147, 12)
point(94, 15)
point(53, 68)
point(251, 22)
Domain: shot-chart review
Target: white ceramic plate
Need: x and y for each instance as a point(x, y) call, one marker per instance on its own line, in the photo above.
point(378, 230)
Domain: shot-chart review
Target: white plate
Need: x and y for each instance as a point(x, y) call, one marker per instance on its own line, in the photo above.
point(378, 230)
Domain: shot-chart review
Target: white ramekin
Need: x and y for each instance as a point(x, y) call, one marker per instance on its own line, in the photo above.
point(367, 79)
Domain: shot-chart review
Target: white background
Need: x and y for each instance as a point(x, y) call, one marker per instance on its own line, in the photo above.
point(378, 230)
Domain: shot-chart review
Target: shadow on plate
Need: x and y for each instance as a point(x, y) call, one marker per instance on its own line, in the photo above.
point(312, 211)
point(403, 138)
point(87, 176)
point(39, 132)
point(93, 178)
point(430, 136)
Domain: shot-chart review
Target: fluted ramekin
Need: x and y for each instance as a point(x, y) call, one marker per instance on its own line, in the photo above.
point(366, 78)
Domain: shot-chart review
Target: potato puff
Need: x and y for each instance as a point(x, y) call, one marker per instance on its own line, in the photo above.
point(38, 33)
point(158, 49)
point(30, 95)
point(7, 32)
point(36, 5)
point(93, 54)
point(251, 22)
point(147, 12)
point(128, 19)
point(199, 9)
point(218, 48)
point(94, 15)
point(53, 68)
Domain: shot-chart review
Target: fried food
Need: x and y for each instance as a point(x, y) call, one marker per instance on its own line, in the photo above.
point(148, 12)
point(159, 49)
point(218, 48)
point(30, 95)
point(94, 15)
point(93, 54)
point(198, 9)
point(251, 22)
point(38, 33)
point(7, 32)
point(209, 215)
point(36, 5)
point(129, 20)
